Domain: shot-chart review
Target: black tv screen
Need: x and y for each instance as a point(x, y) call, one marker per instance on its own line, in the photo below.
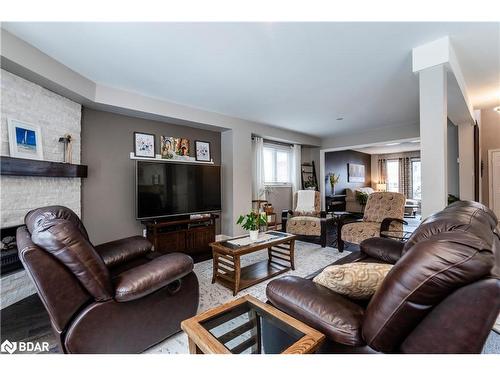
point(170, 189)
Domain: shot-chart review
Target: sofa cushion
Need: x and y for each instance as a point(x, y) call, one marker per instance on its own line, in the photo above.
point(355, 280)
point(359, 231)
point(319, 307)
point(304, 225)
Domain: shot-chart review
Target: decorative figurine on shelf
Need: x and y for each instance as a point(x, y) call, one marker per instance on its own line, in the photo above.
point(68, 148)
point(334, 180)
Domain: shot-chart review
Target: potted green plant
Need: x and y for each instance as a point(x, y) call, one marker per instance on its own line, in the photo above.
point(252, 222)
point(310, 185)
point(362, 198)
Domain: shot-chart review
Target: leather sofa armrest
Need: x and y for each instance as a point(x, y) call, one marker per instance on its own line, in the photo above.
point(148, 278)
point(116, 252)
point(321, 308)
point(385, 249)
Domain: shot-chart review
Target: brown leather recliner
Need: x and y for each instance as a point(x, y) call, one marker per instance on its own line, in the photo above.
point(118, 297)
point(441, 296)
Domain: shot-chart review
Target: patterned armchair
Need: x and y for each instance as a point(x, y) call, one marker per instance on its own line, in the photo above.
point(311, 225)
point(383, 211)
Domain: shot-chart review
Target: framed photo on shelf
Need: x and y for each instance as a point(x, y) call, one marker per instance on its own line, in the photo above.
point(167, 146)
point(144, 145)
point(181, 146)
point(202, 150)
point(25, 140)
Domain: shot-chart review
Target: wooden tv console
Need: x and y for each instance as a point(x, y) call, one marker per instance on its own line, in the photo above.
point(189, 236)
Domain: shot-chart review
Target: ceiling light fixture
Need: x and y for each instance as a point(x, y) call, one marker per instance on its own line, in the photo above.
point(497, 109)
point(393, 144)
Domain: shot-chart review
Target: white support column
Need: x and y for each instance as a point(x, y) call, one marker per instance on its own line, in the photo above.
point(236, 163)
point(433, 138)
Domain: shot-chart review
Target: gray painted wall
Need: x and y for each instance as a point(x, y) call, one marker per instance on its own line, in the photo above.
point(108, 205)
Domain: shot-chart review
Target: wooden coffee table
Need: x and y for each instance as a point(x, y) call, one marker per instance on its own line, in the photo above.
point(249, 326)
point(227, 268)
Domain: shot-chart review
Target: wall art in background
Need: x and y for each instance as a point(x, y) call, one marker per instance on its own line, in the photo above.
point(25, 140)
point(356, 172)
point(202, 150)
point(144, 145)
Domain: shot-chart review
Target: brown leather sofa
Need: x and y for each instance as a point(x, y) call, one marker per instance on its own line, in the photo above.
point(118, 297)
point(441, 296)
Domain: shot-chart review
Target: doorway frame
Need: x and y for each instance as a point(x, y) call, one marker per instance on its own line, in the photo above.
point(490, 177)
point(344, 148)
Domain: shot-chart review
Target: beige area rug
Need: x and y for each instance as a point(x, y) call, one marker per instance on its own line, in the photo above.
point(308, 258)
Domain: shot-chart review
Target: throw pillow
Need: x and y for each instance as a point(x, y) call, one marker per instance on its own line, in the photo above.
point(354, 280)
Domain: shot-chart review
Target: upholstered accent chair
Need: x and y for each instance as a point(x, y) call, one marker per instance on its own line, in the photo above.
point(384, 211)
point(306, 220)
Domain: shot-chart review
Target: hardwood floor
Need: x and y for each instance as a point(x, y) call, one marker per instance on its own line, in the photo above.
point(27, 320)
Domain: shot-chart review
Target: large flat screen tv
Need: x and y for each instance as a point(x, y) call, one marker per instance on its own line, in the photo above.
point(171, 189)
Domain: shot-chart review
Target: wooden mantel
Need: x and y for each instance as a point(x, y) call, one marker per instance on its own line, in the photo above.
point(40, 168)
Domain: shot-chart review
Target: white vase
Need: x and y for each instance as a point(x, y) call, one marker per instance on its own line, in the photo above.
point(254, 235)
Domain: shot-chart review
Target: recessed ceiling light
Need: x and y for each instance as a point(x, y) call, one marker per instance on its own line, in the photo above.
point(393, 144)
point(497, 109)
point(339, 118)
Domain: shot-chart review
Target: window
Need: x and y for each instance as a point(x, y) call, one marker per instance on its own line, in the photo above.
point(277, 164)
point(393, 175)
point(416, 179)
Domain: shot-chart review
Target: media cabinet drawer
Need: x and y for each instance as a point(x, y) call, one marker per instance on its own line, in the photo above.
point(170, 242)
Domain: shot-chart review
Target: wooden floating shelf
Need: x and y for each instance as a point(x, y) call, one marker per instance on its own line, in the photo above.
point(159, 159)
point(40, 168)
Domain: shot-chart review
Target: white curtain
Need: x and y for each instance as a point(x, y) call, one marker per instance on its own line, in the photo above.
point(296, 168)
point(258, 168)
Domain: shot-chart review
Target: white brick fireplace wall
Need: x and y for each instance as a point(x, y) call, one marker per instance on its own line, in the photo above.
point(25, 101)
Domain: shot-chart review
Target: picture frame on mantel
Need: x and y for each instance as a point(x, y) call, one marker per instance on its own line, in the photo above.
point(144, 145)
point(25, 140)
point(202, 151)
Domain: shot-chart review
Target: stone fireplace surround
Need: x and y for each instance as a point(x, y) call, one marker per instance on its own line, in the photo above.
point(25, 101)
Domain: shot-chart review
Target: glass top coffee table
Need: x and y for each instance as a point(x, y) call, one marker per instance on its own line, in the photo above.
point(249, 326)
point(227, 269)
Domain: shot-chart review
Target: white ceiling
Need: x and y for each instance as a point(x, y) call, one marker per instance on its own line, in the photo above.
point(390, 148)
point(300, 76)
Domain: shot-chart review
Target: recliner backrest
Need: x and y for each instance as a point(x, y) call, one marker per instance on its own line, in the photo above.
point(58, 231)
point(60, 291)
point(462, 216)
